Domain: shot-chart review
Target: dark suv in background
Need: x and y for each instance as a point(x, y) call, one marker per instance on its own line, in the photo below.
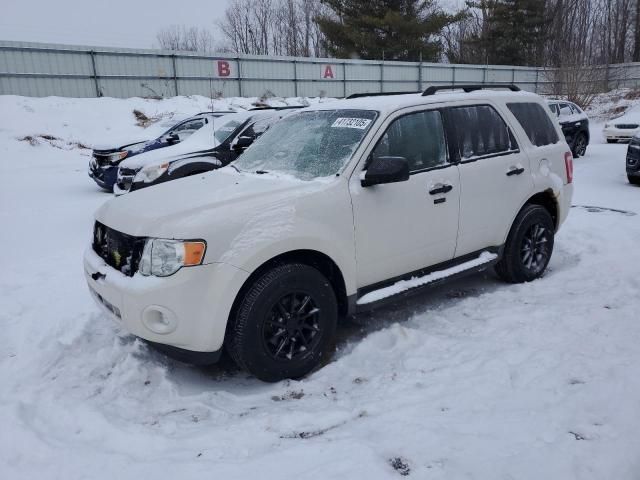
point(633, 161)
point(574, 123)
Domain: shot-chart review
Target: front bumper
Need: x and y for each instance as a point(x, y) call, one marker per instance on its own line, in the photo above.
point(104, 176)
point(124, 180)
point(633, 159)
point(187, 310)
point(620, 134)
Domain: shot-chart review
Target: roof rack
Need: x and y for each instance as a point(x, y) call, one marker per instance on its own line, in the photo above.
point(378, 94)
point(209, 112)
point(269, 107)
point(470, 87)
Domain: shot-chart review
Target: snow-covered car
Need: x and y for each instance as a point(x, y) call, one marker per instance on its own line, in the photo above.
point(574, 123)
point(633, 160)
point(336, 209)
point(623, 128)
point(103, 166)
point(213, 146)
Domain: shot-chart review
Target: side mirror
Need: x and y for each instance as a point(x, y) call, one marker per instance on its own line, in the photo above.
point(242, 143)
point(173, 139)
point(386, 170)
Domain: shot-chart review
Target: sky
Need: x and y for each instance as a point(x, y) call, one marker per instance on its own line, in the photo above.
point(116, 23)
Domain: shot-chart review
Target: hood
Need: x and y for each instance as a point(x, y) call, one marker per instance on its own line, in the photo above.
point(201, 140)
point(131, 146)
point(182, 208)
point(631, 116)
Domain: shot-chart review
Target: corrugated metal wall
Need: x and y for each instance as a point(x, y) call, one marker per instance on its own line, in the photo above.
point(37, 70)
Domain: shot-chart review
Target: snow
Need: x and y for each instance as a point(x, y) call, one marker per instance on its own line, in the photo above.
point(414, 282)
point(474, 379)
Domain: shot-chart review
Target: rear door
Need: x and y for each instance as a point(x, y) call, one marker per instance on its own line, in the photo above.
point(495, 178)
point(406, 226)
point(547, 149)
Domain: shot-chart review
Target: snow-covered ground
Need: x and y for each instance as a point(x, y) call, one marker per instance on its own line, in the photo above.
point(478, 379)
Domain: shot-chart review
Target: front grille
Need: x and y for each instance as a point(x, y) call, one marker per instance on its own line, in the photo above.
point(102, 158)
point(118, 250)
point(627, 126)
point(125, 178)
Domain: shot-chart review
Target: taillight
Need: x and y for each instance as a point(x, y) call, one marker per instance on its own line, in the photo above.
point(568, 164)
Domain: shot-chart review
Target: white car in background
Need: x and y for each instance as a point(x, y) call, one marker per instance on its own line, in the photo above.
point(623, 128)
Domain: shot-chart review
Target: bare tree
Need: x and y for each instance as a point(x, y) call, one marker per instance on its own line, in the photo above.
point(273, 27)
point(181, 38)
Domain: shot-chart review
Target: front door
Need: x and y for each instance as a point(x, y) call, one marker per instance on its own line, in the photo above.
point(406, 226)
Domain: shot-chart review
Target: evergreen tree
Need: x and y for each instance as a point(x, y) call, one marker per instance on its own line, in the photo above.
point(390, 29)
point(513, 32)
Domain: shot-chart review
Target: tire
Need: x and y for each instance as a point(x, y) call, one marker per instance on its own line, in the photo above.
point(284, 325)
point(532, 228)
point(633, 180)
point(579, 145)
point(609, 140)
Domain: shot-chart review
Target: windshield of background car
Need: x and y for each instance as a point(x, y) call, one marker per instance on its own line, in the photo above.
point(309, 144)
point(225, 126)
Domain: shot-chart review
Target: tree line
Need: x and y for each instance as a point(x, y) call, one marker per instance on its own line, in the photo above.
point(551, 33)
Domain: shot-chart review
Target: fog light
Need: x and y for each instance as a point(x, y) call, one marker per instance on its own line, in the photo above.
point(159, 320)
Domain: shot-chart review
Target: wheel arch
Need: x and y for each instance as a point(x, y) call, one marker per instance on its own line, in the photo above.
point(548, 200)
point(313, 258)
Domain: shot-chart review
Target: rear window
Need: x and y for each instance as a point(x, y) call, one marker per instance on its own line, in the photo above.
point(535, 122)
point(480, 132)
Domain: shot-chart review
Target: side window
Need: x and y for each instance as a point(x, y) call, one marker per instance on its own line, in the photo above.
point(575, 109)
point(481, 132)
point(418, 137)
point(565, 110)
point(535, 122)
point(190, 126)
point(258, 127)
point(554, 108)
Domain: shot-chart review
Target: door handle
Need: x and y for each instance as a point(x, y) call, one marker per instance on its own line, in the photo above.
point(440, 189)
point(515, 171)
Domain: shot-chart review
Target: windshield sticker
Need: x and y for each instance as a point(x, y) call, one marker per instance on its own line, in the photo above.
point(359, 123)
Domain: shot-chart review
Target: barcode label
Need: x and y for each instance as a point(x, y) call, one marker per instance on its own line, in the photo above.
point(359, 123)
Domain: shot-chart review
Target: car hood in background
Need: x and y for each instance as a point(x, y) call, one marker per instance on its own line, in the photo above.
point(199, 141)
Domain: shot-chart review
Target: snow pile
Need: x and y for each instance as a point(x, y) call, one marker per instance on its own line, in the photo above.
point(613, 104)
point(475, 379)
point(112, 121)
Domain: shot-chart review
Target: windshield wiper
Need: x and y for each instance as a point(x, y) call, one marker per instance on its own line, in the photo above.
point(234, 167)
point(261, 172)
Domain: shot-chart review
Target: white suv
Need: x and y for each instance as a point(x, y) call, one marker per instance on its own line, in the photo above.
point(337, 208)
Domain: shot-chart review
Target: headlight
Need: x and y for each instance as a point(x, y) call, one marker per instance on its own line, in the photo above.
point(165, 257)
point(151, 173)
point(116, 157)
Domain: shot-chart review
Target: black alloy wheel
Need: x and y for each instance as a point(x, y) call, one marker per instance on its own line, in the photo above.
point(534, 252)
point(284, 323)
point(292, 326)
point(529, 246)
point(580, 145)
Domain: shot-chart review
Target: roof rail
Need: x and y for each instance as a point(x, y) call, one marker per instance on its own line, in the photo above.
point(378, 94)
point(470, 87)
point(269, 107)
